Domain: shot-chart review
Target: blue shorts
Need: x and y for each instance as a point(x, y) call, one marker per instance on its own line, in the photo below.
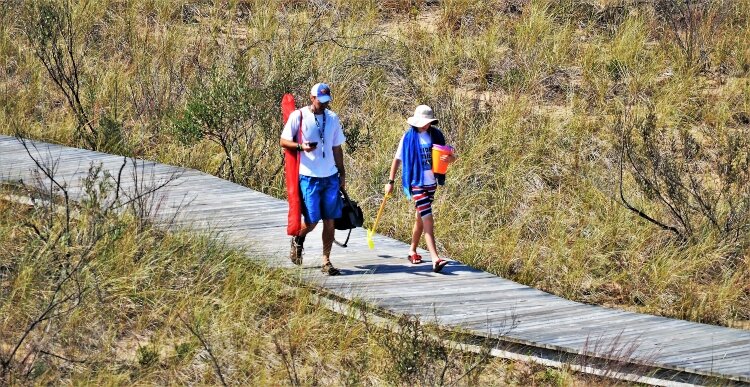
point(320, 198)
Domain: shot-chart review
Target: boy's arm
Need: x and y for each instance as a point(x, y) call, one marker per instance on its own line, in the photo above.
point(392, 176)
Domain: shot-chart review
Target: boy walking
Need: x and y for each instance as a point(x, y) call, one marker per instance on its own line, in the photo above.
point(418, 180)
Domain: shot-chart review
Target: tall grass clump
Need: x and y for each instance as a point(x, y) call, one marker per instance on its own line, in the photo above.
point(540, 46)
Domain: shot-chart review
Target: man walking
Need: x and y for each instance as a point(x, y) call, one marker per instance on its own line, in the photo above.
point(321, 170)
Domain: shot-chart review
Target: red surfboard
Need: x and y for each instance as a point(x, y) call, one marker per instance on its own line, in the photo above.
point(291, 171)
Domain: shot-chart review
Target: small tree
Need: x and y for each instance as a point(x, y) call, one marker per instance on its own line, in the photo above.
point(229, 110)
point(698, 177)
point(50, 30)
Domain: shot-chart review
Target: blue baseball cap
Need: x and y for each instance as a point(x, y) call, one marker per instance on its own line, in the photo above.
point(322, 92)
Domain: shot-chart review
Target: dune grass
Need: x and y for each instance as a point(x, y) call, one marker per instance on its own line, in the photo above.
point(532, 94)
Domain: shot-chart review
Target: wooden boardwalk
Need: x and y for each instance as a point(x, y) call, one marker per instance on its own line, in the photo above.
point(462, 297)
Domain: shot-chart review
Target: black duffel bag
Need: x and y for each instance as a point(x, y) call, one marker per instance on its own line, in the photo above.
point(351, 217)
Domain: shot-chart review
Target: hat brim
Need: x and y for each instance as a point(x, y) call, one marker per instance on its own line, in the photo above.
point(324, 98)
point(419, 122)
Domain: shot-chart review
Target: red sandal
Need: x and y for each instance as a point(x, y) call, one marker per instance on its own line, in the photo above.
point(415, 258)
point(439, 265)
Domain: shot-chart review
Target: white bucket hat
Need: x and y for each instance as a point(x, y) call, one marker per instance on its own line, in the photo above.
point(423, 115)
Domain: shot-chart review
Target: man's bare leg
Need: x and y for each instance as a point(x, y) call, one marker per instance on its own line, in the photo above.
point(328, 235)
point(328, 231)
point(306, 228)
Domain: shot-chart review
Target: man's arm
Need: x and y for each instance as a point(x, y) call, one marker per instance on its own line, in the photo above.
point(338, 157)
point(288, 132)
point(295, 145)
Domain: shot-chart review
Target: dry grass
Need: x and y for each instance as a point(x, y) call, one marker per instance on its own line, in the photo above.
point(530, 93)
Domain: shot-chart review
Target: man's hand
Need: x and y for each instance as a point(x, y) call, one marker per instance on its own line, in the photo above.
point(342, 181)
point(307, 147)
point(338, 157)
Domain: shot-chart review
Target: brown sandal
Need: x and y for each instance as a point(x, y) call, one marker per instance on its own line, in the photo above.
point(329, 269)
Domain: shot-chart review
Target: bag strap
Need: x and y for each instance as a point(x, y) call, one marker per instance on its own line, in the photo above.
point(348, 201)
point(346, 196)
point(346, 241)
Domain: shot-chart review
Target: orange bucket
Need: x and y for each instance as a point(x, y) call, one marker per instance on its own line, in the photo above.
point(437, 151)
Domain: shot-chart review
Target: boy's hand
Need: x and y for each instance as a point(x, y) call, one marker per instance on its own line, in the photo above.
point(448, 158)
point(388, 189)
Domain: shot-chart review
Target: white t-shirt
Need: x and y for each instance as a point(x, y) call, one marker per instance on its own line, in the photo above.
point(313, 163)
point(425, 143)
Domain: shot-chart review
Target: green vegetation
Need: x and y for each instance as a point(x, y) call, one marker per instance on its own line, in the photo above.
point(545, 101)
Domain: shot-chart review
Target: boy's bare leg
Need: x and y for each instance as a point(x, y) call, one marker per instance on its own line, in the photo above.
point(416, 234)
point(429, 237)
point(306, 229)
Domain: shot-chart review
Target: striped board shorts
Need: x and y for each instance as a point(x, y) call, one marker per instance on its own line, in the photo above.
point(423, 198)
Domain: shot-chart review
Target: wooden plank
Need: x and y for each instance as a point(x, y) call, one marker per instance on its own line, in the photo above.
point(525, 324)
point(699, 336)
point(482, 318)
point(468, 307)
point(704, 356)
point(534, 320)
point(719, 367)
point(466, 316)
point(617, 321)
point(384, 291)
point(597, 338)
point(623, 336)
point(703, 350)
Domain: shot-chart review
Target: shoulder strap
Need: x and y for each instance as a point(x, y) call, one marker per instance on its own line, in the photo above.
point(436, 136)
point(299, 138)
point(299, 128)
